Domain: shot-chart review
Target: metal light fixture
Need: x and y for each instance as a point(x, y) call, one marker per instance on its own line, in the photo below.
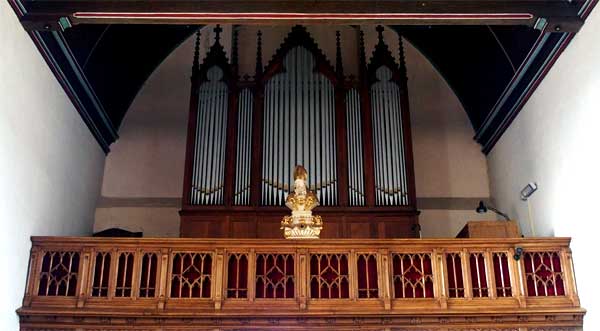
point(482, 208)
point(528, 190)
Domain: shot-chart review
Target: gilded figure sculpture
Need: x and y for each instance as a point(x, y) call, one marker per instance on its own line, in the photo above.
point(301, 224)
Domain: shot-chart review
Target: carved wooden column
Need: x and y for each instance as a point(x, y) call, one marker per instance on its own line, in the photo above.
point(303, 276)
point(489, 271)
point(232, 119)
point(341, 127)
point(191, 129)
point(367, 138)
point(517, 276)
point(440, 283)
point(257, 127)
point(252, 274)
point(404, 106)
point(84, 276)
point(384, 283)
point(31, 287)
point(162, 279)
point(218, 277)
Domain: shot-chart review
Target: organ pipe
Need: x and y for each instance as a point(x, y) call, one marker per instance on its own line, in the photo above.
point(355, 149)
point(244, 148)
point(388, 141)
point(209, 151)
point(299, 117)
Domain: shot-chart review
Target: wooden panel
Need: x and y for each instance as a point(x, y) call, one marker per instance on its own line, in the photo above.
point(333, 229)
point(399, 228)
point(269, 227)
point(358, 229)
point(490, 229)
point(249, 222)
point(242, 227)
point(204, 227)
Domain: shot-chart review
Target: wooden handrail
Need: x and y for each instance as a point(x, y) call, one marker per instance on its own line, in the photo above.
point(437, 281)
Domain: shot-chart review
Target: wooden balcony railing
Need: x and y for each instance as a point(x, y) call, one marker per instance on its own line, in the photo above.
point(226, 284)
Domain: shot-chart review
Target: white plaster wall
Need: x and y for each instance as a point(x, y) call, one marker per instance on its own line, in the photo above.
point(148, 159)
point(555, 141)
point(50, 165)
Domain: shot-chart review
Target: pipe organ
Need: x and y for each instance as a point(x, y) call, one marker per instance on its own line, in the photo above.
point(246, 135)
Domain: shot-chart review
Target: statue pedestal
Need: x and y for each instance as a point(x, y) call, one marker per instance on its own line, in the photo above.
point(302, 224)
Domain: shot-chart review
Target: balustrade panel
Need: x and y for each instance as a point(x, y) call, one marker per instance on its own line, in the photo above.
point(329, 278)
point(101, 274)
point(543, 273)
point(366, 265)
point(275, 276)
point(456, 287)
point(502, 274)
point(237, 276)
point(124, 274)
point(479, 281)
point(412, 275)
point(148, 275)
point(191, 275)
point(59, 273)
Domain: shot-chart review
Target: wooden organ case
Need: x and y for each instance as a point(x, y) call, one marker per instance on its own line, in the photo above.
point(245, 135)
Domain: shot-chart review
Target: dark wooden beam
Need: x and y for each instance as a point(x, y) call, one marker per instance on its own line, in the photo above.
point(543, 55)
point(62, 62)
point(43, 14)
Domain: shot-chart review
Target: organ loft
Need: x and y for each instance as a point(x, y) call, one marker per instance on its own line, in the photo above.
point(302, 132)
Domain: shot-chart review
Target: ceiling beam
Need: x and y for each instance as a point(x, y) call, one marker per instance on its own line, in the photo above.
point(45, 14)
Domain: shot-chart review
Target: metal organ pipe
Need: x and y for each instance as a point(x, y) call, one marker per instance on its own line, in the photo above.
point(376, 144)
point(403, 181)
point(249, 97)
point(208, 144)
point(244, 147)
point(355, 149)
point(388, 142)
point(209, 149)
point(299, 129)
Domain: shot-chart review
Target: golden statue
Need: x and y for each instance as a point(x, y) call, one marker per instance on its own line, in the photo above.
point(302, 224)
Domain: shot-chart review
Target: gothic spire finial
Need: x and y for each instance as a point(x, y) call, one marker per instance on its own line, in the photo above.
point(196, 62)
point(234, 51)
point(361, 50)
point(259, 66)
point(401, 57)
point(217, 31)
point(379, 30)
point(339, 69)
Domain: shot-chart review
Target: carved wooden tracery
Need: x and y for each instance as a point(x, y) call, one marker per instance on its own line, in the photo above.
point(232, 284)
point(246, 135)
point(58, 276)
